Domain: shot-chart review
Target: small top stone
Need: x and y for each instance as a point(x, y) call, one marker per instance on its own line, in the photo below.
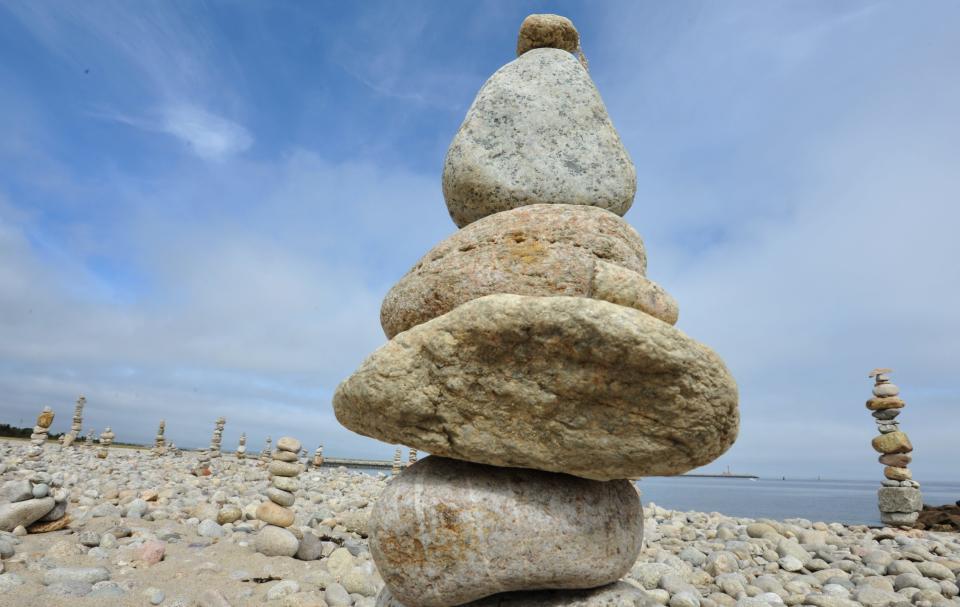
point(288, 443)
point(547, 31)
point(880, 371)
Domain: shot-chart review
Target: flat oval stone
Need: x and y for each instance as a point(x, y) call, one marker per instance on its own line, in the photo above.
point(883, 403)
point(564, 384)
point(537, 132)
point(280, 497)
point(885, 390)
point(619, 594)
point(544, 250)
point(286, 483)
point(892, 442)
point(279, 468)
point(274, 514)
point(276, 541)
point(897, 474)
point(283, 456)
point(288, 443)
point(899, 460)
point(446, 531)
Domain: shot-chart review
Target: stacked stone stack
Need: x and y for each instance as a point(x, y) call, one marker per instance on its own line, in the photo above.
point(275, 539)
point(396, 462)
point(242, 447)
point(265, 454)
point(412, 457)
point(159, 442)
point(76, 425)
point(899, 498)
point(217, 437)
point(203, 463)
point(90, 437)
point(40, 432)
point(106, 439)
point(30, 502)
point(531, 356)
point(318, 457)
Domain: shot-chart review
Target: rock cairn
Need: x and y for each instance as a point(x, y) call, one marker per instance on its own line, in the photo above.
point(242, 447)
point(90, 438)
point(106, 439)
point(76, 425)
point(217, 437)
point(533, 358)
point(159, 442)
point(899, 498)
point(265, 454)
point(31, 503)
point(318, 457)
point(412, 457)
point(396, 462)
point(40, 431)
point(274, 539)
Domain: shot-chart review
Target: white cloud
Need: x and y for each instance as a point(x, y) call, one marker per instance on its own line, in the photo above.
point(209, 136)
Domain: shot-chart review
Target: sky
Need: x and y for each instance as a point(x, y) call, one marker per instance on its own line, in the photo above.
point(203, 204)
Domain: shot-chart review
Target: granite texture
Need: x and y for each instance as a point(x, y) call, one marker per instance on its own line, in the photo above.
point(619, 594)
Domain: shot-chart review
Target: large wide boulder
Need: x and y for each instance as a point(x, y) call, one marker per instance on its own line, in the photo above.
point(619, 594)
point(24, 513)
point(899, 499)
point(446, 532)
point(564, 384)
point(542, 249)
point(537, 132)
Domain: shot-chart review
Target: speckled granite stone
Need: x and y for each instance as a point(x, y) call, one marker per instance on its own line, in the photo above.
point(446, 532)
point(537, 132)
point(615, 595)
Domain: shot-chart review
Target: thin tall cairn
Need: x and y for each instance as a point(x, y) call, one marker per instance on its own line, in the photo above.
point(159, 442)
point(899, 498)
point(265, 454)
point(274, 539)
point(242, 446)
point(91, 433)
point(106, 439)
point(533, 358)
point(412, 457)
point(217, 437)
point(318, 457)
point(40, 432)
point(76, 425)
point(396, 462)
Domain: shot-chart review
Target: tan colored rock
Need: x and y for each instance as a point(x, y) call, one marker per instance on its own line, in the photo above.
point(278, 468)
point(547, 31)
point(543, 250)
point(881, 403)
point(274, 514)
point(45, 419)
point(897, 460)
point(46, 527)
point(897, 474)
point(563, 384)
point(892, 442)
point(537, 132)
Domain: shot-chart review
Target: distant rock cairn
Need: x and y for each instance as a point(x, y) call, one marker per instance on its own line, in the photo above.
point(242, 446)
point(533, 358)
point(40, 432)
point(899, 498)
point(159, 442)
point(76, 426)
point(106, 439)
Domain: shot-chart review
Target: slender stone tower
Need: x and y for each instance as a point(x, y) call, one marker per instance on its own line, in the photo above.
point(318, 457)
point(76, 425)
point(40, 432)
point(265, 454)
point(899, 498)
point(217, 437)
point(90, 437)
point(106, 439)
point(532, 357)
point(159, 442)
point(412, 457)
point(396, 462)
point(274, 539)
point(242, 447)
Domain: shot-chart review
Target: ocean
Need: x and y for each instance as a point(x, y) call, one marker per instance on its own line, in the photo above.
point(850, 502)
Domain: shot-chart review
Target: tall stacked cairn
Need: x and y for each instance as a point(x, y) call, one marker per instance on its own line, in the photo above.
point(265, 454)
point(90, 437)
point(274, 539)
point(899, 498)
point(159, 442)
point(412, 457)
point(217, 437)
point(318, 457)
point(530, 355)
point(242, 447)
point(395, 470)
point(106, 439)
point(76, 425)
point(40, 432)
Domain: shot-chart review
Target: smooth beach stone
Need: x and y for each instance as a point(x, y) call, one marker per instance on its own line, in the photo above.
point(24, 513)
point(446, 532)
point(885, 390)
point(879, 404)
point(619, 594)
point(564, 384)
point(280, 497)
point(899, 518)
point(886, 414)
point(274, 514)
point(537, 132)
point(283, 456)
point(543, 250)
point(286, 483)
point(899, 499)
point(897, 474)
point(547, 31)
point(288, 443)
point(279, 468)
point(899, 460)
point(893, 442)
point(276, 541)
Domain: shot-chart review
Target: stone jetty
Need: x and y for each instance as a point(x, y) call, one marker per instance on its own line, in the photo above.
point(76, 424)
point(533, 359)
point(159, 442)
point(899, 496)
point(242, 446)
point(275, 539)
point(40, 432)
point(106, 439)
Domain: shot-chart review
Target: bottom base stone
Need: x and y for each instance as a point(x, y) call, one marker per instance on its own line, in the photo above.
point(906, 519)
point(619, 594)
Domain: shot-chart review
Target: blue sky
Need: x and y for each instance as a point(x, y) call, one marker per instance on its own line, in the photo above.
point(202, 204)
